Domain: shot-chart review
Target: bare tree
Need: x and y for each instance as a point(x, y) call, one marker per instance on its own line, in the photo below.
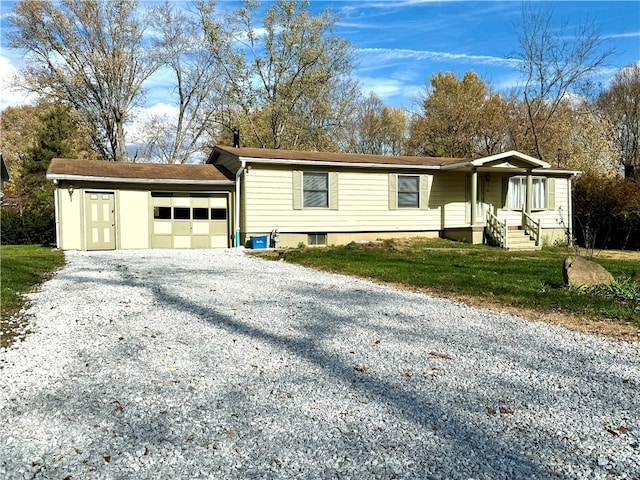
point(282, 77)
point(621, 102)
point(179, 44)
point(89, 54)
point(554, 62)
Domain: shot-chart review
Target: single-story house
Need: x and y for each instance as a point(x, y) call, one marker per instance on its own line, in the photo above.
point(310, 198)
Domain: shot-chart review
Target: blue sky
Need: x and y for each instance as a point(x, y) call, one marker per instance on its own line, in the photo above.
point(400, 44)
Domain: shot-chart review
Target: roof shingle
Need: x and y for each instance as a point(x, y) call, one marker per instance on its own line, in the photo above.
point(103, 170)
point(293, 155)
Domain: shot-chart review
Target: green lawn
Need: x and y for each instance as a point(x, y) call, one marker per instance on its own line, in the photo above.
point(22, 268)
point(530, 280)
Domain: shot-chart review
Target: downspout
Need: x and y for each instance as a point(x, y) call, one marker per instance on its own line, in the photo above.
point(56, 208)
point(236, 204)
point(570, 219)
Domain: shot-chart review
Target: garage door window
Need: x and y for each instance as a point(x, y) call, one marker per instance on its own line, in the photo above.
point(201, 214)
point(182, 213)
point(162, 213)
point(218, 214)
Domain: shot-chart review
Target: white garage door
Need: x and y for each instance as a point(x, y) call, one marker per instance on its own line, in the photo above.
point(190, 220)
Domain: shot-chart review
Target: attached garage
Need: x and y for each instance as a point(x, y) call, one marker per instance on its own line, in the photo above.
point(107, 206)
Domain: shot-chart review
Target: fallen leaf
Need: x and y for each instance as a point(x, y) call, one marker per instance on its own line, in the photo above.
point(612, 431)
point(107, 458)
point(377, 342)
point(626, 380)
point(407, 374)
point(441, 355)
point(505, 410)
point(68, 477)
point(623, 429)
point(361, 368)
point(491, 410)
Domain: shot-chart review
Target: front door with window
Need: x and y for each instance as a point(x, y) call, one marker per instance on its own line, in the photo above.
point(100, 221)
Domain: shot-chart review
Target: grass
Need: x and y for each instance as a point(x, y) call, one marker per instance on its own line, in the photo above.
point(528, 280)
point(22, 268)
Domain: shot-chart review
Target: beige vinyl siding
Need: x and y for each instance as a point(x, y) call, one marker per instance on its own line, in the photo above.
point(448, 199)
point(70, 217)
point(362, 198)
point(132, 219)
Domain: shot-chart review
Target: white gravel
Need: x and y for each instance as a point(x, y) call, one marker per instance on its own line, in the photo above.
point(213, 364)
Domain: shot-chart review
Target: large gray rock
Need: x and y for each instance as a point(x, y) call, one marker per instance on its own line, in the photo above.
point(580, 272)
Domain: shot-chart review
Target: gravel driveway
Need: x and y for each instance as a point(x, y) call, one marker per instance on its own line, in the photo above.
point(213, 364)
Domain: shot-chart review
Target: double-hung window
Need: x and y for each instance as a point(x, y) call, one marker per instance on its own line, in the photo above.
point(518, 193)
point(315, 189)
point(408, 191)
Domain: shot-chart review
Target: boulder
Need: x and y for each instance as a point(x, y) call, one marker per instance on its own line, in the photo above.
point(580, 272)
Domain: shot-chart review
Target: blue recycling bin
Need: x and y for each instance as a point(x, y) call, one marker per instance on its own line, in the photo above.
point(259, 241)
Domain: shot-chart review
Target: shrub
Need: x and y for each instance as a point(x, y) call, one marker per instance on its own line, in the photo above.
point(31, 227)
point(607, 212)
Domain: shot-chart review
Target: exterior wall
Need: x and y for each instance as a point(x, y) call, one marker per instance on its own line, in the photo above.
point(133, 219)
point(292, 240)
point(70, 218)
point(363, 205)
point(133, 212)
point(449, 199)
point(363, 211)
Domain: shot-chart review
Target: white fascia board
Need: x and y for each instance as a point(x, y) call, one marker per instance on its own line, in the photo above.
point(315, 163)
point(552, 171)
point(152, 181)
point(511, 153)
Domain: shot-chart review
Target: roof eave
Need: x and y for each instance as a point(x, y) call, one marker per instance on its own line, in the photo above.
point(324, 163)
point(156, 181)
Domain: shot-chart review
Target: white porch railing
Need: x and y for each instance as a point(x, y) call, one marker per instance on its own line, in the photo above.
point(496, 230)
point(531, 227)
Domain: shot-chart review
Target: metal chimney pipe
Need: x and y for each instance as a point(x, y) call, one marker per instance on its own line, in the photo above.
point(236, 138)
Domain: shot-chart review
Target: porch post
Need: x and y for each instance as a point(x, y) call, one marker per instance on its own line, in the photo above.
point(529, 191)
point(474, 195)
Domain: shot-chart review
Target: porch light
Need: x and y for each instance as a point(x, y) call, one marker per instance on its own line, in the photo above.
point(70, 188)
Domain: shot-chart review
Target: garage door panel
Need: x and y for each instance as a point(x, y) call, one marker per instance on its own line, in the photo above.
point(183, 221)
point(200, 202)
point(180, 241)
point(182, 228)
point(200, 228)
point(219, 228)
point(200, 241)
point(162, 228)
point(218, 241)
point(162, 241)
point(218, 202)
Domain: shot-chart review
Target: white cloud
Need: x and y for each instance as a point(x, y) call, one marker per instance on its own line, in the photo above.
point(140, 116)
point(9, 94)
point(394, 54)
